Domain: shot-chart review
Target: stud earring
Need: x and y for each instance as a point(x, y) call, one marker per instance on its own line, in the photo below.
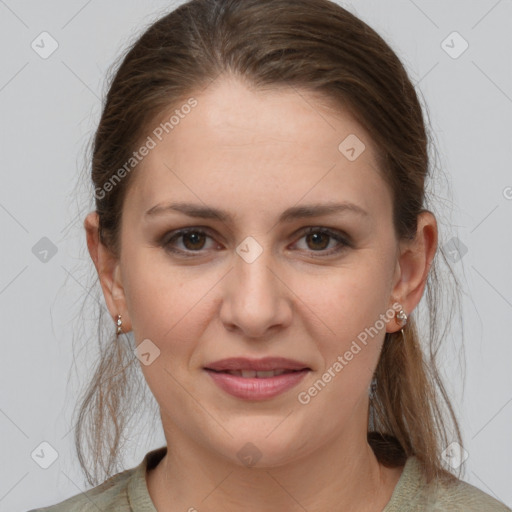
point(119, 323)
point(401, 317)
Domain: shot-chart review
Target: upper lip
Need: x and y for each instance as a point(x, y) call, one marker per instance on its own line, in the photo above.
point(266, 363)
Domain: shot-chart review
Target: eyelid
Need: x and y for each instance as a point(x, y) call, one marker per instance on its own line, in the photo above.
point(333, 232)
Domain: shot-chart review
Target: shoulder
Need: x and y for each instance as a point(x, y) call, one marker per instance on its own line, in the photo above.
point(464, 496)
point(120, 493)
point(461, 496)
point(110, 495)
point(413, 494)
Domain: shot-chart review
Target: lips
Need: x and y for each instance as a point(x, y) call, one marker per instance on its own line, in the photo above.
point(256, 379)
point(254, 388)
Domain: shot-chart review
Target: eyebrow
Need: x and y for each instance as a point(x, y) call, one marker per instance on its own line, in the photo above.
point(290, 214)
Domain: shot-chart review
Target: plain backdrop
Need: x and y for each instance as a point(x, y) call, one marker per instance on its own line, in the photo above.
point(50, 105)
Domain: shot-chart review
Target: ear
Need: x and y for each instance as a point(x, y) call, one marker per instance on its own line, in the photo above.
point(109, 271)
point(413, 265)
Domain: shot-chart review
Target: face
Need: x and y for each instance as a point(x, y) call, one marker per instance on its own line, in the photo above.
point(317, 289)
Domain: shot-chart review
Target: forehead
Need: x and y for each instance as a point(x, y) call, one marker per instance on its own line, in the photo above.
point(260, 149)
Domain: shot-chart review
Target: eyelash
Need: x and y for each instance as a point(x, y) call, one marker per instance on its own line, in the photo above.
point(338, 236)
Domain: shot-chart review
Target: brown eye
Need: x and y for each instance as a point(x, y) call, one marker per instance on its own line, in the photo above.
point(192, 241)
point(318, 241)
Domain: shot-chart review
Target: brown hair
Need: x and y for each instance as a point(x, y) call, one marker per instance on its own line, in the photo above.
point(312, 45)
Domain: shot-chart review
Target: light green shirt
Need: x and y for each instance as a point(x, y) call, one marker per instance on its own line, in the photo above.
point(127, 492)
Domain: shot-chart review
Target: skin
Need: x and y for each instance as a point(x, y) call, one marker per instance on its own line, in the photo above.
point(255, 154)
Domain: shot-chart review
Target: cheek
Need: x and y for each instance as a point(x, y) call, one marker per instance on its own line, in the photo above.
point(351, 330)
point(168, 305)
point(155, 295)
point(353, 297)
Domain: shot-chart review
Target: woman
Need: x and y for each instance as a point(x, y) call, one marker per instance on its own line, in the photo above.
point(261, 231)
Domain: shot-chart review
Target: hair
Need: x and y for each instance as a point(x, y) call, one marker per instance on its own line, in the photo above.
point(315, 46)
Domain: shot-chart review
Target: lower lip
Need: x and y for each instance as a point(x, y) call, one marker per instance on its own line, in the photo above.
point(255, 388)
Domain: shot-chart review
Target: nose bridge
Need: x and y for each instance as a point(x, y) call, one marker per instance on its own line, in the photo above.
point(254, 300)
point(253, 271)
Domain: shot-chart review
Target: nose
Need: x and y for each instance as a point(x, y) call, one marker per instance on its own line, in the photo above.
point(255, 298)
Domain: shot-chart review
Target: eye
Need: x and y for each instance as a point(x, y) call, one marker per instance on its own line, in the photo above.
point(193, 240)
point(319, 239)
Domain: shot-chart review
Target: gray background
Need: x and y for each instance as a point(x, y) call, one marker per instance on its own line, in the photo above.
point(49, 108)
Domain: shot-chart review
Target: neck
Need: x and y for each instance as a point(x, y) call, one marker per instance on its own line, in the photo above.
point(342, 475)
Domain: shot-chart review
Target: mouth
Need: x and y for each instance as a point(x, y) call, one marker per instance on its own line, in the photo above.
point(266, 364)
point(251, 374)
point(256, 379)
